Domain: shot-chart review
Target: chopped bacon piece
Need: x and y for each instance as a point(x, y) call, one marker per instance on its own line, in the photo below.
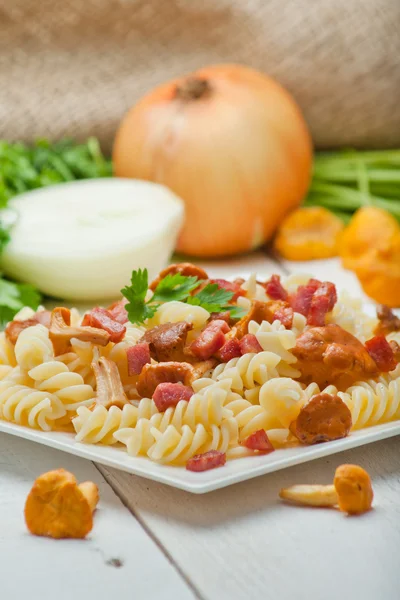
point(314, 301)
point(388, 322)
point(210, 340)
point(382, 352)
point(284, 314)
point(230, 286)
point(231, 349)
point(167, 341)
point(249, 343)
point(301, 300)
point(275, 289)
point(259, 441)
point(102, 319)
point(138, 356)
point(185, 269)
point(118, 311)
point(223, 316)
point(169, 394)
point(14, 328)
point(205, 462)
point(323, 419)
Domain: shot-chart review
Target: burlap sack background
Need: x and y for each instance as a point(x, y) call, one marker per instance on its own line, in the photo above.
point(73, 67)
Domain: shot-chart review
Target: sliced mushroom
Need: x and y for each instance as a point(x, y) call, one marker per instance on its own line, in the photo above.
point(61, 331)
point(109, 389)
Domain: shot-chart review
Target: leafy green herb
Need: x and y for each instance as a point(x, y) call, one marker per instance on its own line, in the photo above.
point(174, 287)
point(13, 297)
point(137, 308)
point(211, 297)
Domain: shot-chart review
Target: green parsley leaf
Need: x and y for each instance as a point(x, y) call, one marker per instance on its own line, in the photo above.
point(174, 287)
point(13, 297)
point(236, 312)
point(138, 310)
point(211, 297)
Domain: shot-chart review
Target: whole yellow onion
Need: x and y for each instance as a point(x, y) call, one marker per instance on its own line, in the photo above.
point(232, 143)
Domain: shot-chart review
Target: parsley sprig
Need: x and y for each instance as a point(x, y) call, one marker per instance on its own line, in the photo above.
point(174, 287)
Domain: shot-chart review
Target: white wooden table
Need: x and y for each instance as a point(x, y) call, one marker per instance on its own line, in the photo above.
point(151, 542)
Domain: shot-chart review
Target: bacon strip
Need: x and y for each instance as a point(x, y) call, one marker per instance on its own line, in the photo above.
point(259, 441)
point(230, 286)
point(102, 319)
point(210, 340)
point(205, 462)
point(314, 301)
point(137, 357)
point(249, 343)
point(14, 328)
point(231, 349)
point(168, 395)
point(118, 311)
point(275, 289)
point(284, 314)
point(382, 353)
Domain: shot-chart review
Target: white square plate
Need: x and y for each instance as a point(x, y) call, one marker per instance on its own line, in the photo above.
point(234, 471)
point(199, 483)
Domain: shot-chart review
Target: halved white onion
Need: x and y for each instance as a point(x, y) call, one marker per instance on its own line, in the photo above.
point(81, 240)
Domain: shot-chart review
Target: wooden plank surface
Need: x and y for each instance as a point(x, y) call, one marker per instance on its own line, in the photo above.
point(118, 559)
point(242, 543)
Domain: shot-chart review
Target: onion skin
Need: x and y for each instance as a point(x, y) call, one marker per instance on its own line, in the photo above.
point(239, 156)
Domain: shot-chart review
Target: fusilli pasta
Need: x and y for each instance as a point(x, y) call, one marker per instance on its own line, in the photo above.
point(33, 347)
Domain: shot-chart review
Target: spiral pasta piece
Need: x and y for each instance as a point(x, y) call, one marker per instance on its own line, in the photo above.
point(7, 351)
point(273, 337)
point(25, 406)
point(282, 400)
point(348, 313)
point(98, 426)
point(33, 347)
point(248, 370)
point(69, 387)
point(373, 402)
point(138, 439)
point(174, 311)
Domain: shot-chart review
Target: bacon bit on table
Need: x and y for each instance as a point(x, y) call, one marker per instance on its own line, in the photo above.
point(231, 349)
point(249, 343)
point(323, 419)
point(102, 319)
point(185, 269)
point(169, 394)
point(118, 311)
point(138, 356)
point(388, 322)
point(259, 441)
point(14, 328)
point(382, 353)
point(167, 341)
point(210, 340)
point(230, 286)
point(284, 314)
point(205, 462)
point(275, 289)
